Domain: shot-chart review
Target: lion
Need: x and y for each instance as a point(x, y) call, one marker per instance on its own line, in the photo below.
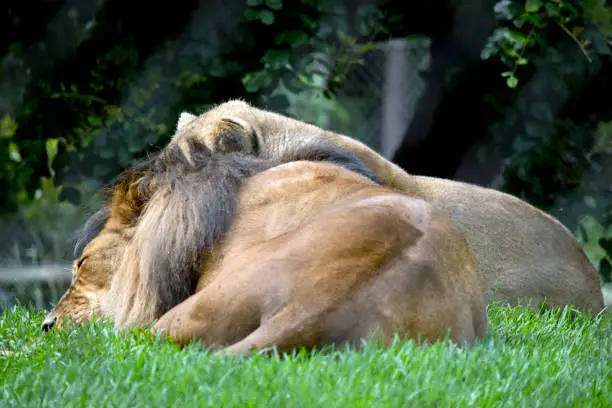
point(249, 254)
point(525, 256)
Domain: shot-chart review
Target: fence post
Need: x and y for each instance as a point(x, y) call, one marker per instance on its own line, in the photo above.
point(394, 96)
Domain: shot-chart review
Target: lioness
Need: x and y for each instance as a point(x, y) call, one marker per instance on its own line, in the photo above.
point(524, 255)
point(316, 255)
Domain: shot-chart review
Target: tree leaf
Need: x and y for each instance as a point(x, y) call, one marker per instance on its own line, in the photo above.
point(606, 245)
point(276, 58)
point(8, 127)
point(266, 17)
point(14, 154)
point(367, 47)
point(292, 37)
point(275, 4)
point(532, 6)
point(512, 81)
point(255, 81)
point(51, 148)
point(251, 14)
point(576, 31)
point(515, 36)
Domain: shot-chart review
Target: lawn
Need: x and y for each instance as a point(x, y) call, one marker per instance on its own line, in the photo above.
point(527, 360)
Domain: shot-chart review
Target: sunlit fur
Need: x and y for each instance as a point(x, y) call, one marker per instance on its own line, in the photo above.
point(524, 255)
point(244, 253)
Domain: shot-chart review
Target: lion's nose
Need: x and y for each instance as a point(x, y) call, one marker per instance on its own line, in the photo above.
point(48, 323)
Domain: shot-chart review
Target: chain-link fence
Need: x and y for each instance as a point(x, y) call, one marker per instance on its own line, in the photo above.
point(383, 91)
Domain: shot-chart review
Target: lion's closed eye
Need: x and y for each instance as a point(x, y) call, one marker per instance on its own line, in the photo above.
point(232, 123)
point(80, 262)
point(242, 130)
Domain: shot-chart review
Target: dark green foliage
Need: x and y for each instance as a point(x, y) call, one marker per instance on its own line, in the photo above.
point(559, 51)
point(89, 87)
point(109, 86)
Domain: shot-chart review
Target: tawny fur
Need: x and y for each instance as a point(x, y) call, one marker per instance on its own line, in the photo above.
point(316, 255)
point(524, 255)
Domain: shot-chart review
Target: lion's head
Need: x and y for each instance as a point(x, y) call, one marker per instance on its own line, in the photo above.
point(231, 126)
point(143, 251)
point(92, 273)
point(238, 126)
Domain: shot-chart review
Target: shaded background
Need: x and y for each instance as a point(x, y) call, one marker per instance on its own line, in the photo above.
point(514, 95)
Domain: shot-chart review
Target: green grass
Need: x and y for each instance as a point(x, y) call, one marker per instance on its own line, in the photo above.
point(527, 360)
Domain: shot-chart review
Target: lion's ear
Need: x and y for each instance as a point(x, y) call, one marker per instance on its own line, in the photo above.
point(233, 134)
point(184, 119)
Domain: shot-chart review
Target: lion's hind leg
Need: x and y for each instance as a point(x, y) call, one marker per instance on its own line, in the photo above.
point(215, 315)
point(291, 329)
point(212, 317)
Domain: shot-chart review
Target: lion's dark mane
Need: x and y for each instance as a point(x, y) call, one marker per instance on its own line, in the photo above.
point(322, 152)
